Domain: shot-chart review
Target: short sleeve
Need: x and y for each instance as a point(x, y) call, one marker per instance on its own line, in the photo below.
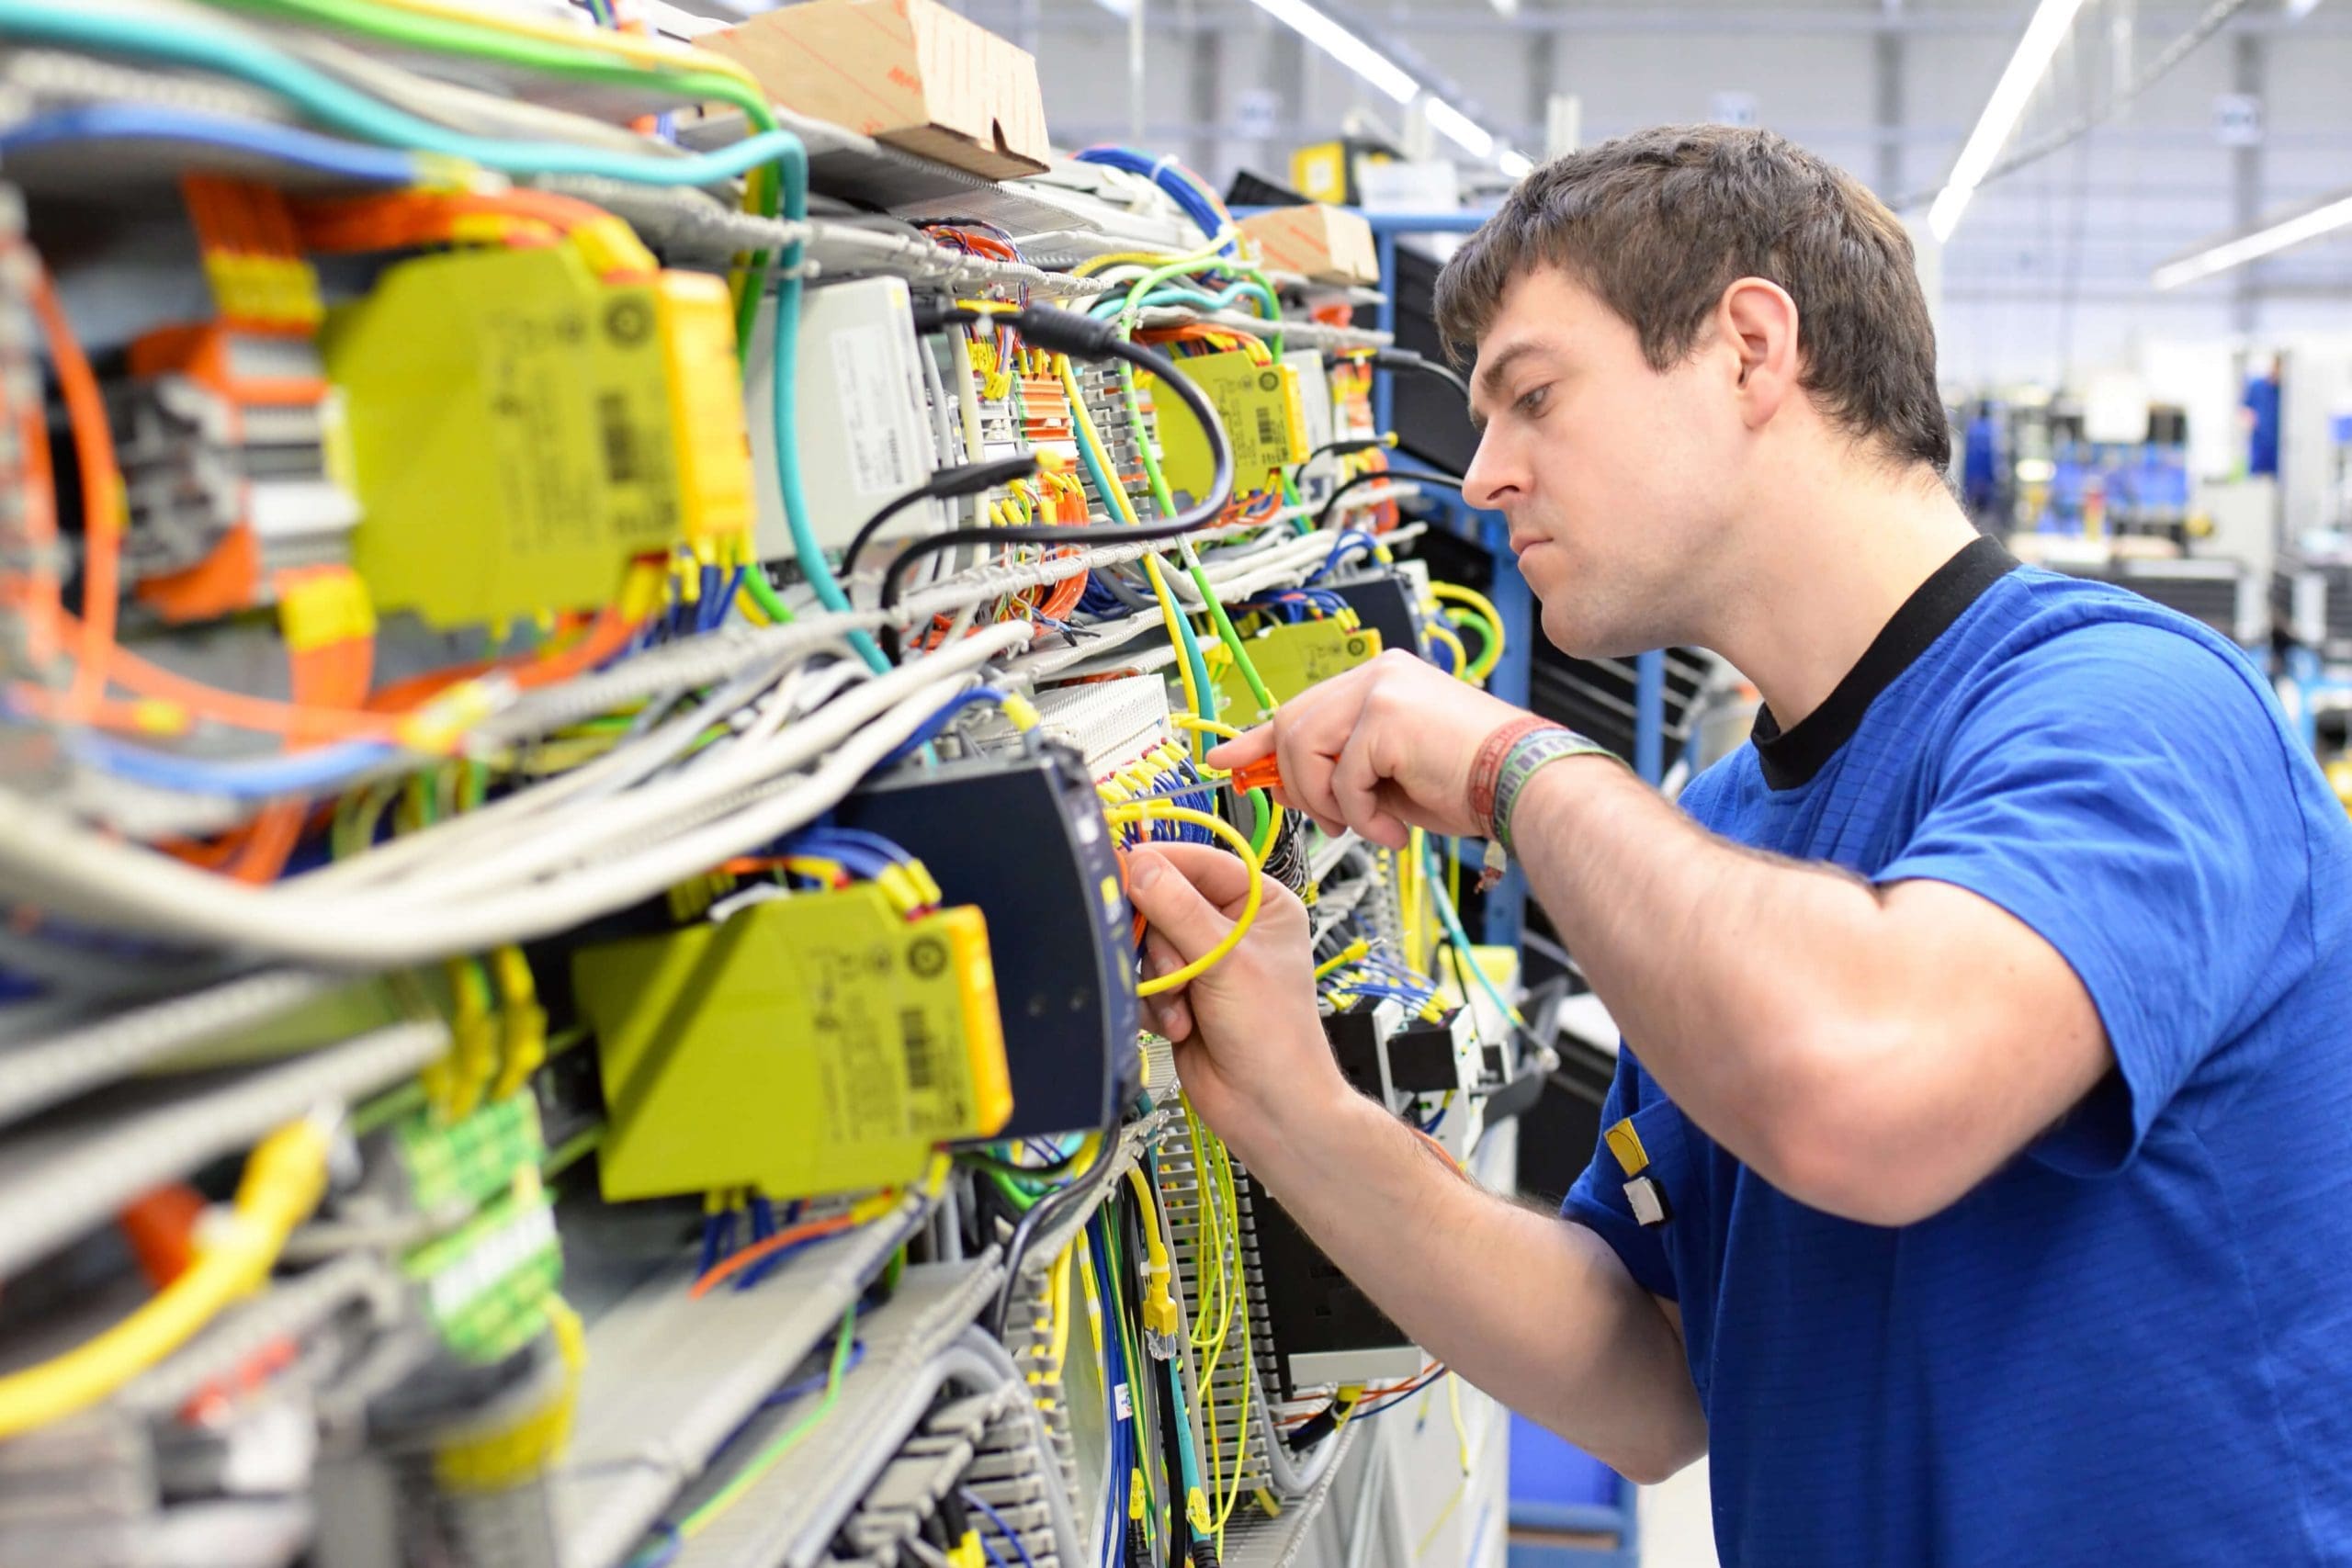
point(2125, 791)
point(1598, 1201)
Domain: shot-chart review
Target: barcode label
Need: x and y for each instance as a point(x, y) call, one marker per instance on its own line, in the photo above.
point(1270, 428)
point(920, 1045)
point(621, 465)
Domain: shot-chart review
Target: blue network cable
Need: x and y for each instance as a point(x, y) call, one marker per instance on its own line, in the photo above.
point(1200, 203)
point(1347, 538)
point(261, 778)
point(138, 122)
point(929, 728)
point(974, 1500)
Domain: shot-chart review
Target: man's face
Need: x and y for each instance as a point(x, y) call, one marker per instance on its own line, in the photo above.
point(1616, 478)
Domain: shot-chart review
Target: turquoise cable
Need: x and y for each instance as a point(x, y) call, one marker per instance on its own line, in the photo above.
point(343, 108)
point(783, 406)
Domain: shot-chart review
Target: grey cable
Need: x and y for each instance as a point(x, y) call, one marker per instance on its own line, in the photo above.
point(63, 1178)
point(47, 1072)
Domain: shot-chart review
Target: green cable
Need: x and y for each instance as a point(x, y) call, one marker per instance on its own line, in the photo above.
point(449, 36)
point(727, 1496)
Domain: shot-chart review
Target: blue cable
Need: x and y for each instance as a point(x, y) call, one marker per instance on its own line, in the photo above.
point(1346, 537)
point(929, 728)
point(299, 773)
point(137, 123)
point(974, 1500)
point(1199, 204)
point(353, 113)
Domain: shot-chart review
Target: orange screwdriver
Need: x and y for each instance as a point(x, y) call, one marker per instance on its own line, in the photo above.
point(1264, 774)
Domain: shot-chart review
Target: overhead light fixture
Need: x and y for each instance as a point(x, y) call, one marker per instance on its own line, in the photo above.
point(1458, 127)
point(2039, 45)
point(1515, 164)
point(1343, 46)
point(2330, 214)
point(2298, 9)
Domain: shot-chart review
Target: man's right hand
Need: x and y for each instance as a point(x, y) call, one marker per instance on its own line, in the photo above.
point(1385, 748)
point(1250, 1044)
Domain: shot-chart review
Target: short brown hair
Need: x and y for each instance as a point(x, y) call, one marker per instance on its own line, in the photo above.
point(1659, 223)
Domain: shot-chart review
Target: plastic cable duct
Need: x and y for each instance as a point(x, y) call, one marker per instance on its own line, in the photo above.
point(669, 1380)
point(42, 1073)
point(76, 1169)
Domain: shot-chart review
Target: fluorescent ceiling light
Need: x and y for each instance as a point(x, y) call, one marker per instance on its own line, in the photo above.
point(1516, 164)
point(1344, 47)
point(2035, 49)
point(2298, 9)
point(1458, 127)
point(2310, 224)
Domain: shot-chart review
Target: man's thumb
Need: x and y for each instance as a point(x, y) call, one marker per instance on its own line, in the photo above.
point(1167, 898)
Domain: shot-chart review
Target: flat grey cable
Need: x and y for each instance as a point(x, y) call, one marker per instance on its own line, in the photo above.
point(97, 974)
point(290, 1309)
point(43, 1073)
point(61, 1177)
point(60, 865)
point(657, 803)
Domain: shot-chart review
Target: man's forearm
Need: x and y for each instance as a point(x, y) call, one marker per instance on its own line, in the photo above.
point(1534, 1309)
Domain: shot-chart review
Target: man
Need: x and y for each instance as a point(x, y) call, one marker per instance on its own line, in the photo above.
point(1987, 1197)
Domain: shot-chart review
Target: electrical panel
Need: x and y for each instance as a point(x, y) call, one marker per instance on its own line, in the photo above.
point(559, 1013)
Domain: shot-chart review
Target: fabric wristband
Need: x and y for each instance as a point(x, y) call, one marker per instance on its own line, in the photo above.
point(1487, 765)
point(1528, 756)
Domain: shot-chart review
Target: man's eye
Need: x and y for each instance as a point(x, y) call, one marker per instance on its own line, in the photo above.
point(1531, 400)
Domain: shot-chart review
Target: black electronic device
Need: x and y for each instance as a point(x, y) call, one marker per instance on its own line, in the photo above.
point(1323, 1328)
point(1383, 600)
point(1023, 838)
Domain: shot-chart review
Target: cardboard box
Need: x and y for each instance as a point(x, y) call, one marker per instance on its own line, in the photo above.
point(1330, 244)
point(910, 73)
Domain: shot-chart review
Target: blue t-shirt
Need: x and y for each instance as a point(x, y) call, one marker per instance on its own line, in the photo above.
point(2132, 1344)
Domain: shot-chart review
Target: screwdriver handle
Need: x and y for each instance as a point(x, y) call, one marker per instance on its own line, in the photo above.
point(1266, 772)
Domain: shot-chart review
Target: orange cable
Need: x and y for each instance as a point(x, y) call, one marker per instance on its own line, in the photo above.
point(101, 491)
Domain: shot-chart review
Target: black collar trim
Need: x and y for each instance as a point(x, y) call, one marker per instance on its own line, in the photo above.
point(1791, 758)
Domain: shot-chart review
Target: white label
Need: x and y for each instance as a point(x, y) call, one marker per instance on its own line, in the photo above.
point(2237, 120)
point(879, 464)
point(1119, 1397)
point(1733, 108)
point(1257, 113)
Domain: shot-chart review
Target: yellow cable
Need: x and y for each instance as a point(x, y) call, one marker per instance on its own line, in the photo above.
point(1482, 605)
point(284, 1179)
point(1201, 257)
point(1344, 957)
point(1205, 725)
point(1168, 811)
point(1158, 1311)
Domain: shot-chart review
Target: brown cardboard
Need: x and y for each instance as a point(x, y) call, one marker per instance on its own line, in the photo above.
point(910, 73)
point(1330, 244)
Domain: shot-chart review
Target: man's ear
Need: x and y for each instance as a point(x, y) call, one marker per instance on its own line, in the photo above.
point(1758, 320)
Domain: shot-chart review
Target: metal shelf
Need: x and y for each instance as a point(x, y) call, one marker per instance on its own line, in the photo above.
point(669, 1380)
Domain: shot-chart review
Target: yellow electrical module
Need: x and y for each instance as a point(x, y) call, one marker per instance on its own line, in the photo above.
point(1289, 658)
point(520, 429)
point(819, 1043)
point(1261, 411)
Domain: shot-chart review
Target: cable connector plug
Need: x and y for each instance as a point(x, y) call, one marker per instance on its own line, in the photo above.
point(1064, 331)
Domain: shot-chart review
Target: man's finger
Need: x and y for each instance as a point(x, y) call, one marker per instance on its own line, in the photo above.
point(1216, 874)
point(1252, 745)
point(1355, 784)
point(1164, 892)
point(1171, 1015)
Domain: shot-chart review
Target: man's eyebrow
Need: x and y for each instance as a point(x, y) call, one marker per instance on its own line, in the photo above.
point(1492, 373)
